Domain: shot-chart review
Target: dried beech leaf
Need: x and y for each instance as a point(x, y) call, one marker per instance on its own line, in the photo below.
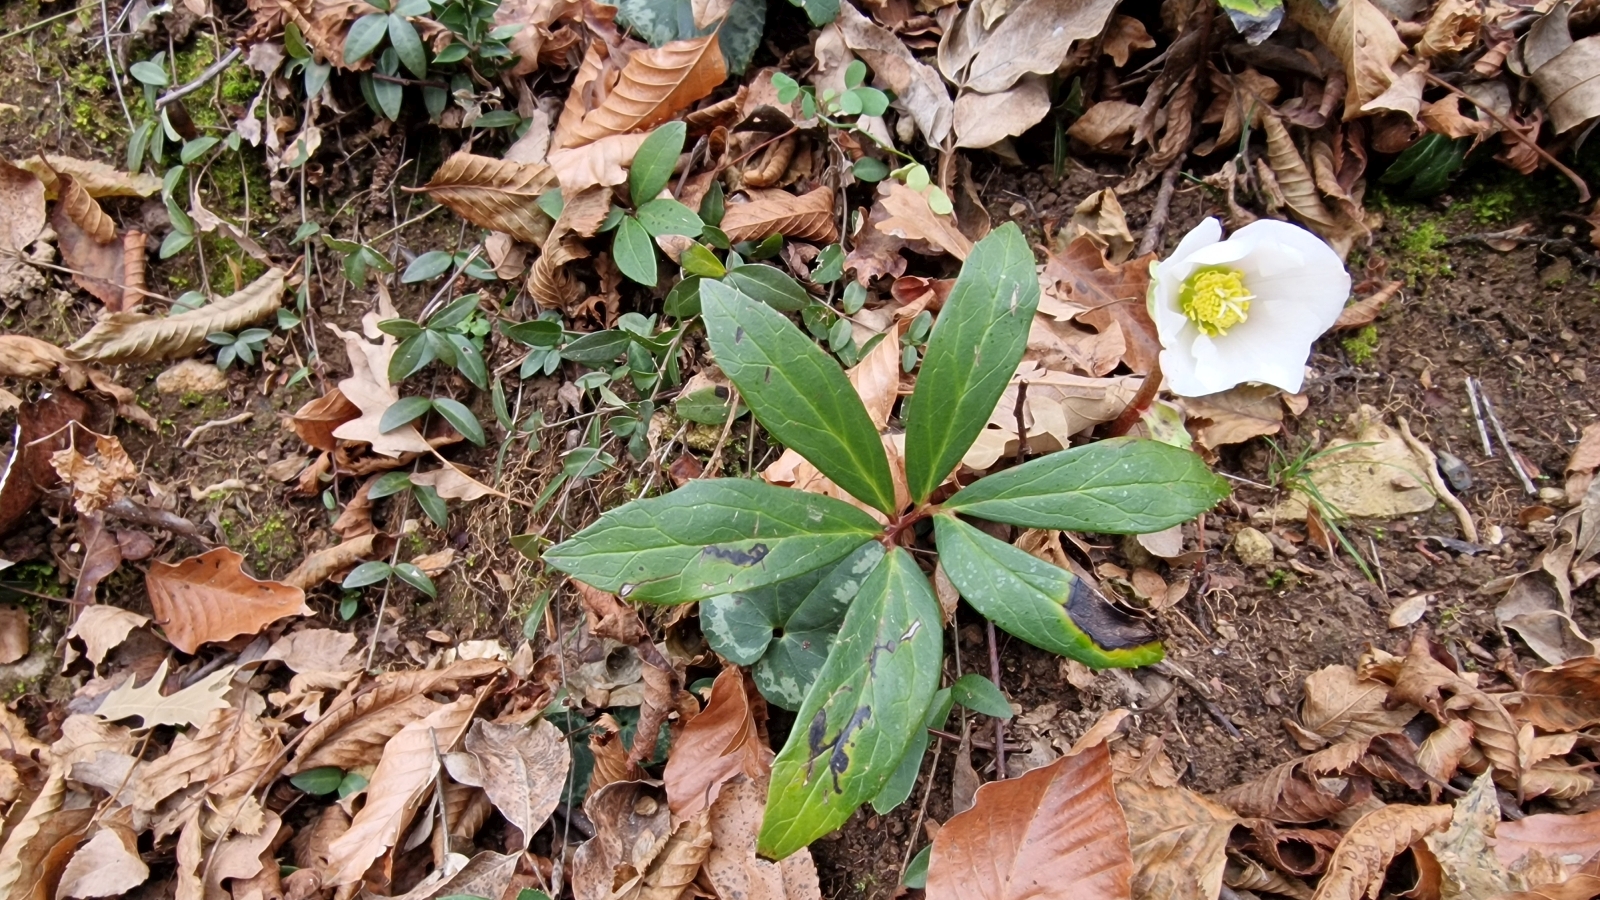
point(316, 420)
point(808, 217)
point(1178, 839)
point(654, 86)
point(135, 337)
point(495, 194)
point(28, 357)
point(715, 747)
point(1359, 862)
point(910, 217)
point(209, 598)
point(107, 865)
point(22, 203)
point(524, 769)
point(1294, 176)
point(1424, 681)
point(733, 867)
point(99, 179)
point(1561, 698)
point(1341, 705)
point(1055, 831)
point(1360, 34)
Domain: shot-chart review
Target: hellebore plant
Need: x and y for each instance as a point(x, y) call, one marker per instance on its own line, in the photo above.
point(766, 556)
point(1244, 309)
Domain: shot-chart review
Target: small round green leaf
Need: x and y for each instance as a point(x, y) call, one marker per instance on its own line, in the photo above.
point(365, 574)
point(980, 695)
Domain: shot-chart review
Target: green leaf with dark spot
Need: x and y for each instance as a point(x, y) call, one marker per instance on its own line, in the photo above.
point(461, 419)
point(800, 395)
point(653, 163)
point(971, 355)
point(1045, 605)
point(709, 405)
point(1116, 486)
point(634, 252)
point(860, 716)
point(784, 630)
point(770, 285)
point(709, 537)
point(364, 36)
point(667, 216)
point(980, 695)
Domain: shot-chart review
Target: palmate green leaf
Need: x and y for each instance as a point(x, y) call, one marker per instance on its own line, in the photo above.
point(860, 716)
point(1116, 486)
point(971, 356)
point(634, 252)
point(784, 630)
point(653, 163)
point(707, 538)
point(1045, 605)
point(800, 395)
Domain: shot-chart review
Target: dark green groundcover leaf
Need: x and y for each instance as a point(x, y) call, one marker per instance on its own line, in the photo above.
point(860, 716)
point(660, 21)
point(798, 392)
point(900, 784)
point(1116, 486)
point(971, 355)
point(784, 630)
point(707, 538)
point(1045, 605)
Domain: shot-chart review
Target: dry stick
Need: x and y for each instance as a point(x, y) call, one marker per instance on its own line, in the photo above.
point(1530, 143)
point(715, 465)
point(999, 723)
point(1477, 415)
point(922, 811)
point(1468, 529)
point(213, 424)
point(1511, 454)
point(210, 72)
point(1173, 670)
point(1163, 208)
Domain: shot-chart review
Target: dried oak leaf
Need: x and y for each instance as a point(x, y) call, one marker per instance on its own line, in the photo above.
point(126, 337)
point(808, 217)
point(1562, 698)
point(1124, 35)
point(1178, 839)
point(403, 777)
point(190, 706)
point(1357, 867)
point(209, 598)
point(1112, 293)
point(1056, 830)
point(718, 745)
point(99, 179)
point(495, 194)
point(654, 85)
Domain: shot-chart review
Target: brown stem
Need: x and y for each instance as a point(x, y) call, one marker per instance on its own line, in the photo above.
point(999, 724)
point(1140, 402)
point(1530, 143)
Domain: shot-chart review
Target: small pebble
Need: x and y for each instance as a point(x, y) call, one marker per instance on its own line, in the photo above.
point(1454, 471)
point(1252, 547)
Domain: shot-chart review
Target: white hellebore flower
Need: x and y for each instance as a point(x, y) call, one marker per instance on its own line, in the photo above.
point(1244, 309)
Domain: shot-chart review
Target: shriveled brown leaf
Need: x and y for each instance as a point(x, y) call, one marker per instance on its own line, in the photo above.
point(44, 427)
point(405, 773)
point(1112, 293)
point(911, 218)
point(1123, 35)
point(808, 217)
point(1452, 28)
point(1101, 219)
point(95, 480)
point(1056, 830)
point(524, 769)
point(1340, 705)
point(1361, 36)
point(1441, 752)
point(209, 598)
point(1464, 851)
point(369, 389)
point(1425, 682)
point(325, 564)
point(39, 846)
point(28, 357)
point(733, 867)
point(1294, 176)
point(453, 484)
point(22, 203)
point(1359, 862)
point(1106, 126)
point(1551, 836)
point(1560, 698)
point(675, 866)
point(654, 85)
point(495, 194)
point(190, 706)
point(227, 754)
point(1362, 312)
point(99, 179)
point(108, 864)
point(716, 746)
point(1234, 416)
point(983, 120)
point(1295, 791)
point(1035, 36)
point(102, 628)
point(544, 37)
point(1178, 839)
point(316, 420)
point(632, 825)
point(110, 269)
point(126, 337)
point(916, 85)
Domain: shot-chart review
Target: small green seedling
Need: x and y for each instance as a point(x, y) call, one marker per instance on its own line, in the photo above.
point(764, 558)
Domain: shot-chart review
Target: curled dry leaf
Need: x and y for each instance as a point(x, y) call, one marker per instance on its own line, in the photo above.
point(1359, 862)
point(715, 747)
point(654, 85)
point(1362, 312)
point(632, 825)
point(1106, 126)
point(1424, 681)
point(316, 421)
point(404, 775)
point(495, 194)
point(1111, 293)
point(110, 269)
point(1056, 830)
point(453, 484)
point(911, 218)
point(102, 628)
point(1178, 839)
point(99, 179)
point(107, 865)
point(733, 867)
point(126, 337)
point(1361, 36)
point(336, 560)
point(808, 217)
point(209, 598)
point(98, 480)
point(916, 85)
point(28, 358)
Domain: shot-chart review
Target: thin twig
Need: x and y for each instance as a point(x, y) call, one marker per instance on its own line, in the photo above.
point(922, 812)
point(1477, 415)
point(1511, 454)
point(999, 723)
point(1022, 428)
point(1201, 692)
point(1530, 143)
point(1162, 211)
point(1468, 529)
point(214, 423)
point(210, 72)
point(715, 465)
point(111, 60)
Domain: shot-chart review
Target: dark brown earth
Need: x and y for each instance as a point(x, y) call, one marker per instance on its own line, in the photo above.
point(1522, 323)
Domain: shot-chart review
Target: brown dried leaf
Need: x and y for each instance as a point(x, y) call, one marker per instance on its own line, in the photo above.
point(632, 825)
point(808, 217)
point(719, 744)
point(1342, 706)
point(1452, 28)
point(89, 246)
point(1178, 839)
point(227, 754)
point(1057, 830)
point(1294, 176)
point(1359, 862)
point(29, 358)
point(1106, 126)
point(495, 194)
point(675, 866)
point(1235, 415)
point(453, 484)
point(22, 203)
point(733, 867)
point(98, 480)
point(1581, 466)
point(1362, 312)
point(99, 179)
point(1552, 836)
point(209, 598)
point(1293, 792)
point(135, 337)
point(316, 650)
point(1441, 752)
point(1112, 293)
point(911, 218)
point(316, 420)
point(338, 559)
point(654, 85)
point(108, 864)
point(102, 628)
point(190, 706)
point(409, 765)
point(1361, 36)
point(369, 389)
point(1561, 698)
point(1424, 681)
point(983, 120)
point(524, 769)
point(1124, 35)
point(916, 84)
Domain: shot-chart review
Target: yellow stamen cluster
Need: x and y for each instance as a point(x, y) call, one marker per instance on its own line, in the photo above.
point(1215, 299)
